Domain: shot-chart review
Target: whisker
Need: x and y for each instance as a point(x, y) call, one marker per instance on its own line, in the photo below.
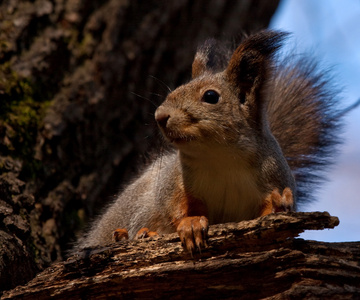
point(158, 95)
point(159, 166)
point(150, 114)
point(147, 99)
point(163, 83)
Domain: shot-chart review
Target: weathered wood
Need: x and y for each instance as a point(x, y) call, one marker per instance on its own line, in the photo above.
point(79, 83)
point(254, 259)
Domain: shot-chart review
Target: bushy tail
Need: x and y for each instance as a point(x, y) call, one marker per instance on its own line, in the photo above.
point(304, 116)
point(303, 112)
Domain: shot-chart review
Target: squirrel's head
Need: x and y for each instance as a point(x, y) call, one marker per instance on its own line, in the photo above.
point(223, 103)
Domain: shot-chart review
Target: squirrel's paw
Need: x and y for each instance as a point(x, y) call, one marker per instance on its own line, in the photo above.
point(120, 234)
point(193, 232)
point(275, 202)
point(145, 233)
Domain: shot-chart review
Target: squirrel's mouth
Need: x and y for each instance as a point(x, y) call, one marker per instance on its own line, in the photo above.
point(175, 125)
point(177, 138)
point(179, 141)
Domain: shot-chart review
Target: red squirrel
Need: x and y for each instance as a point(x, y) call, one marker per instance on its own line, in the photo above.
point(250, 135)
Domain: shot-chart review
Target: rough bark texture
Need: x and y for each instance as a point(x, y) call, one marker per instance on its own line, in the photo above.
point(258, 259)
point(71, 123)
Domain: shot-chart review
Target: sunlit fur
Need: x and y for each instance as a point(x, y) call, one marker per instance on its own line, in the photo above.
point(272, 121)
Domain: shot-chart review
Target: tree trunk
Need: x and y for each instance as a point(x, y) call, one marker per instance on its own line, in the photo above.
point(258, 259)
point(79, 82)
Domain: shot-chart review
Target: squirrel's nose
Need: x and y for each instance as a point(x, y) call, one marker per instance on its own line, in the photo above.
point(161, 117)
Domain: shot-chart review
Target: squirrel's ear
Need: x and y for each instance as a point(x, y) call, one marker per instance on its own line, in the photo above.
point(211, 57)
point(249, 64)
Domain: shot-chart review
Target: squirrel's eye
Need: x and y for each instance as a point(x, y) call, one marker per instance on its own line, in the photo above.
point(211, 97)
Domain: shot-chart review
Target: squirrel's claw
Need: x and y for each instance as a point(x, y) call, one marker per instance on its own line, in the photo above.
point(276, 202)
point(120, 234)
point(145, 233)
point(193, 233)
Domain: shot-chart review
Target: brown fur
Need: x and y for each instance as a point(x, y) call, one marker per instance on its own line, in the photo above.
point(145, 233)
point(120, 234)
point(183, 204)
point(276, 202)
point(247, 132)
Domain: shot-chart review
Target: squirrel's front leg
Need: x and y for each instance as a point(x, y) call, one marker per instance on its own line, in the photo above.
point(276, 202)
point(193, 232)
point(190, 220)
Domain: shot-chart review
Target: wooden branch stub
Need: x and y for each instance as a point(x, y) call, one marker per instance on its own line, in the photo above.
point(252, 259)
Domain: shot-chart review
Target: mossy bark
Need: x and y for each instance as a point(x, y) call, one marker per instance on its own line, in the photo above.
point(79, 82)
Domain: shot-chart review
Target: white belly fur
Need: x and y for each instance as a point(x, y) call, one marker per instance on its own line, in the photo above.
point(228, 187)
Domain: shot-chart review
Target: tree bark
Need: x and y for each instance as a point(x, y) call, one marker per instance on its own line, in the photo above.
point(79, 82)
point(257, 259)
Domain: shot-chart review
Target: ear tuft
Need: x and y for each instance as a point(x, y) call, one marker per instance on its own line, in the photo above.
point(250, 62)
point(211, 57)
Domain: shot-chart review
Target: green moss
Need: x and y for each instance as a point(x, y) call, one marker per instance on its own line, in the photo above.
point(82, 47)
point(4, 46)
point(86, 44)
point(34, 249)
point(73, 218)
point(21, 114)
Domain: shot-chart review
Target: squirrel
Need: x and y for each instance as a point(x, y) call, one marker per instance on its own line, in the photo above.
point(252, 135)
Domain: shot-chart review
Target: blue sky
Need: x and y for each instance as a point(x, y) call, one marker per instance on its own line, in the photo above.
point(330, 31)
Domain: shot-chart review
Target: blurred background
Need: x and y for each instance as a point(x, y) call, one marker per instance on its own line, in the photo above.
point(330, 31)
point(80, 81)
